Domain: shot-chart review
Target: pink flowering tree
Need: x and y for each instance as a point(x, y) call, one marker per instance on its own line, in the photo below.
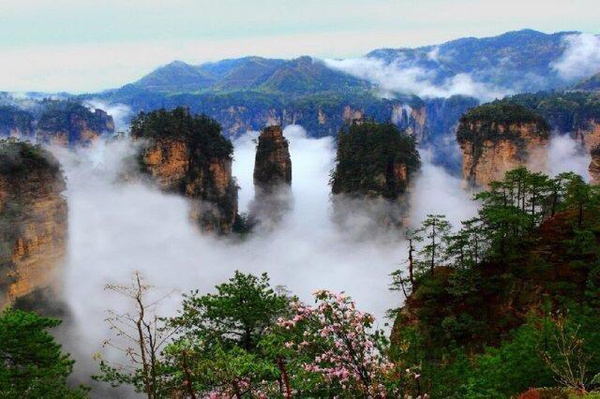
point(334, 350)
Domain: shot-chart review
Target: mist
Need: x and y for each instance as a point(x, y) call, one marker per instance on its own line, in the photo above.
point(116, 228)
point(567, 155)
point(397, 78)
point(120, 113)
point(581, 57)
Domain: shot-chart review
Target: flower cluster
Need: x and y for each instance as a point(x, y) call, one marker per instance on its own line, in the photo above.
point(338, 338)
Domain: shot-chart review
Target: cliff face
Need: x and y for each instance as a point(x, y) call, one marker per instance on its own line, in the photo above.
point(588, 133)
point(321, 114)
point(497, 138)
point(273, 165)
point(187, 155)
point(327, 119)
point(594, 167)
point(576, 113)
point(33, 220)
point(272, 176)
point(68, 124)
point(15, 122)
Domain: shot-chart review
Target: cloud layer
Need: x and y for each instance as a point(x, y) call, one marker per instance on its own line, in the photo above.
point(396, 78)
point(581, 57)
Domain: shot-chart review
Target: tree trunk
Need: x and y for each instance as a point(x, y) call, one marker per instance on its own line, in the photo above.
point(139, 324)
point(284, 374)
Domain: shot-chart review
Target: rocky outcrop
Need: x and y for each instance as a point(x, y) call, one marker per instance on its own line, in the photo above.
point(273, 165)
point(187, 154)
point(70, 123)
point(496, 138)
point(15, 123)
point(272, 177)
point(33, 220)
point(576, 113)
point(375, 164)
point(588, 133)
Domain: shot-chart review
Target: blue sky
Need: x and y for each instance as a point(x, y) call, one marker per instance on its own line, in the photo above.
point(81, 45)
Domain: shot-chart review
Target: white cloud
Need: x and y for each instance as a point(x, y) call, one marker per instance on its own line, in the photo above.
point(394, 77)
point(117, 228)
point(581, 57)
point(79, 46)
point(567, 155)
point(80, 68)
point(436, 191)
point(120, 113)
point(434, 54)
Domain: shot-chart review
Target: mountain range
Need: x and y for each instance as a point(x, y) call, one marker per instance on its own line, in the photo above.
point(423, 90)
point(523, 60)
point(248, 93)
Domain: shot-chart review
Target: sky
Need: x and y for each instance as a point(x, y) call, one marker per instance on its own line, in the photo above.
point(86, 46)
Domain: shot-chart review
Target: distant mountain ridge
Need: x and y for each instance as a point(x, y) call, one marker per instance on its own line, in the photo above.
point(590, 84)
point(303, 75)
point(252, 92)
point(521, 60)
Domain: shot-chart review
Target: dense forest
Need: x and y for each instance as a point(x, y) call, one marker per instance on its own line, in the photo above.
point(564, 111)
point(201, 132)
point(509, 301)
point(497, 121)
point(369, 156)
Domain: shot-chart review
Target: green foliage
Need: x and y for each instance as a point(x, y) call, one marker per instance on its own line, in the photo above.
point(565, 111)
point(237, 314)
point(486, 121)
point(533, 247)
point(368, 158)
point(224, 336)
point(12, 118)
point(435, 232)
point(71, 118)
point(33, 365)
point(303, 75)
point(18, 159)
point(202, 133)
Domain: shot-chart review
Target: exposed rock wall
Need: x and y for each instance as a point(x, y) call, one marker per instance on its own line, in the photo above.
point(273, 165)
point(588, 133)
point(496, 139)
point(210, 185)
point(15, 123)
point(272, 177)
point(324, 116)
point(33, 220)
point(186, 154)
point(69, 124)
